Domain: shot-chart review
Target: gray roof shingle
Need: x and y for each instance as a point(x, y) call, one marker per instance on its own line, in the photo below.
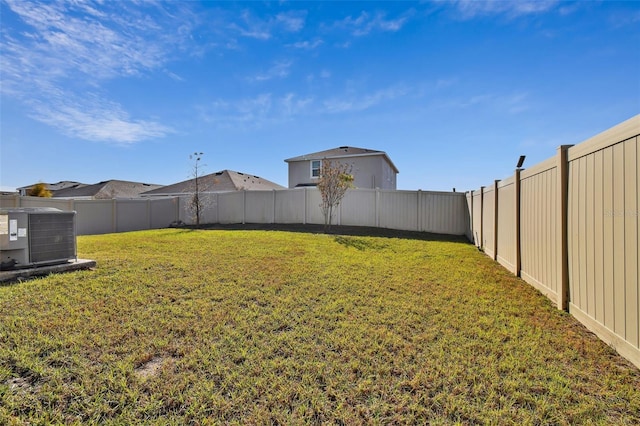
point(106, 190)
point(222, 181)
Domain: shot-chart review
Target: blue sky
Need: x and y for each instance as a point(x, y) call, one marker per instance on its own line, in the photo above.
point(453, 91)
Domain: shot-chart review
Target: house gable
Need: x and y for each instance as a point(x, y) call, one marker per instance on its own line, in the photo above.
point(371, 168)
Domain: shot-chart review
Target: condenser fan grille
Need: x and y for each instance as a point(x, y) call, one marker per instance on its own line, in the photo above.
point(51, 237)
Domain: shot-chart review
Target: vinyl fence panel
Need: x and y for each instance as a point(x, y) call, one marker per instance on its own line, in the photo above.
point(292, 206)
point(132, 215)
point(443, 213)
point(539, 228)
point(95, 217)
point(488, 221)
point(399, 210)
point(231, 207)
point(477, 216)
point(260, 206)
point(603, 238)
point(163, 212)
point(506, 250)
point(358, 208)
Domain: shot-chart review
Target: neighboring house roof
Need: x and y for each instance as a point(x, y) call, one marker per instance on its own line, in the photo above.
point(342, 152)
point(223, 181)
point(54, 186)
point(106, 190)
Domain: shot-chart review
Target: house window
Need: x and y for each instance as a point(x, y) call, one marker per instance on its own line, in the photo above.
point(315, 168)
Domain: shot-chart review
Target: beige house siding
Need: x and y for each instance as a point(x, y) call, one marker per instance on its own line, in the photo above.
point(370, 171)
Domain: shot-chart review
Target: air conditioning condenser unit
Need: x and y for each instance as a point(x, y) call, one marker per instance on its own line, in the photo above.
point(36, 236)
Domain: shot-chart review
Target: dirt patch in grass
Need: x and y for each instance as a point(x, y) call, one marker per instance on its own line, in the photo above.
point(21, 385)
point(150, 368)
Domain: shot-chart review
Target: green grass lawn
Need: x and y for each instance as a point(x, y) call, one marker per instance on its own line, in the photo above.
point(271, 327)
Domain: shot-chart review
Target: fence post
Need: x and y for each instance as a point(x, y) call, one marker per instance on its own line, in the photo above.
point(495, 219)
point(471, 214)
point(304, 207)
point(377, 207)
point(114, 215)
point(273, 220)
point(149, 218)
point(516, 188)
point(481, 217)
point(419, 212)
point(217, 198)
point(244, 206)
point(562, 170)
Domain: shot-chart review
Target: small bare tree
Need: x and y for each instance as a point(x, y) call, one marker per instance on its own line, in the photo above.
point(195, 202)
point(335, 179)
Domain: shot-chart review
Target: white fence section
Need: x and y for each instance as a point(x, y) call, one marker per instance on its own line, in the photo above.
point(426, 211)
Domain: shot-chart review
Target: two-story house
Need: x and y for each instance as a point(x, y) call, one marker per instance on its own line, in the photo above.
point(370, 168)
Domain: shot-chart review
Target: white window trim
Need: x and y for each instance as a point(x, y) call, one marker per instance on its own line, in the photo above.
point(314, 168)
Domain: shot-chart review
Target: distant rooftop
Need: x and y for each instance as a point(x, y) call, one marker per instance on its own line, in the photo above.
point(107, 189)
point(55, 186)
point(222, 181)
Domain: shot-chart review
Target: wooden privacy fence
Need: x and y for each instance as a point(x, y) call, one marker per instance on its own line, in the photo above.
point(426, 211)
point(569, 227)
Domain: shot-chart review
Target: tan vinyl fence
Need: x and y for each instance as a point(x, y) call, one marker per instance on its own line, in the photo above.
point(569, 227)
point(426, 211)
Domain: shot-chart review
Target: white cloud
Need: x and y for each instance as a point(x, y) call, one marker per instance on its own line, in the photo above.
point(174, 76)
point(514, 103)
point(96, 120)
point(307, 45)
point(292, 21)
point(443, 83)
point(277, 70)
point(293, 105)
point(469, 9)
point(264, 29)
point(256, 111)
point(355, 103)
point(323, 75)
point(247, 111)
point(618, 19)
point(267, 108)
point(366, 23)
point(62, 50)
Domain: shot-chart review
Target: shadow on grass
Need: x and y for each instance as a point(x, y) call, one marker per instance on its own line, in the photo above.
point(338, 230)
